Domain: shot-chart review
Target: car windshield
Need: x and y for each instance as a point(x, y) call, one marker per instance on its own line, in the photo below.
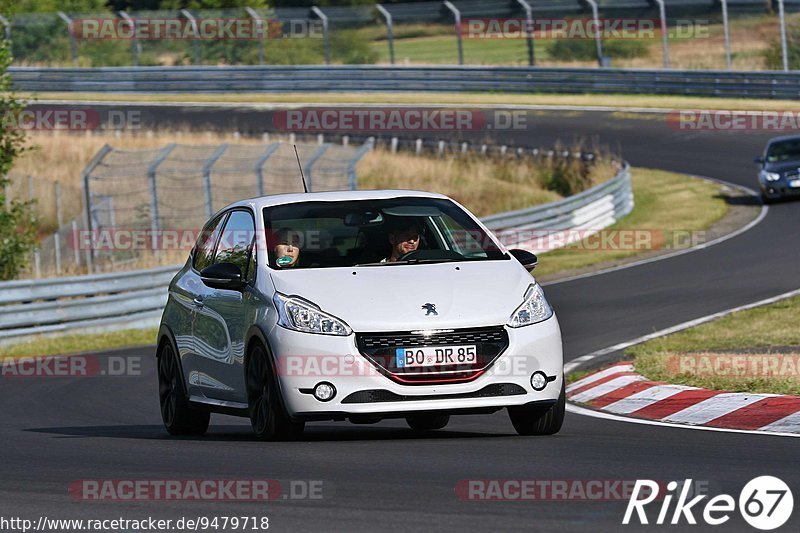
point(788, 150)
point(379, 233)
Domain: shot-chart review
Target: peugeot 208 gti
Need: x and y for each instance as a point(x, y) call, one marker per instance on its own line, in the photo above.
point(360, 306)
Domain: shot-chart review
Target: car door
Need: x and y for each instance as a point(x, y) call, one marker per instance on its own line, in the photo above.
point(184, 293)
point(223, 316)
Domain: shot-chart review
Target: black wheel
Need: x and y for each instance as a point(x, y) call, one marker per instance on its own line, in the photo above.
point(766, 200)
point(179, 417)
point(427, 422)
point(539, 421)
point(267, 413)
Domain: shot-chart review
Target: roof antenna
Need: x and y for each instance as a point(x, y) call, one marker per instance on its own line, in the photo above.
point(305, 187)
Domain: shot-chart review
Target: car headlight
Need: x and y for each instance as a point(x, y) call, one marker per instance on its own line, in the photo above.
point(300, 315)
point(534, 308)
point(770, 176)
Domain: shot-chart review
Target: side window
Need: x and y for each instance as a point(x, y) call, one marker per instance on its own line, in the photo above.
point(206, 243)
point(236, 242)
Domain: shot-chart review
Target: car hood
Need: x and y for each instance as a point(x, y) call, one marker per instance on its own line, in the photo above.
point(392, 298)
point(783, 166)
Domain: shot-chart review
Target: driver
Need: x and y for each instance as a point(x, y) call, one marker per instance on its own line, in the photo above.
point(287, 251)
point(403, 238)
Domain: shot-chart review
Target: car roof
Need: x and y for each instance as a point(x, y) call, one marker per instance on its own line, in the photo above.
point(331, 196)
point(784, 138)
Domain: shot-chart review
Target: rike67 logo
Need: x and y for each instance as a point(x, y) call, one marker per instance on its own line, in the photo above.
point(765, 503)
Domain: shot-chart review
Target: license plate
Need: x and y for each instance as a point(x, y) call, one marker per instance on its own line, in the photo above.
point(436, 356)
point(794, 183)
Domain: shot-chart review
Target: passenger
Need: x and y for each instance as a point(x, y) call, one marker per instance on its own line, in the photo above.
point(287, 249)
point(403, 238)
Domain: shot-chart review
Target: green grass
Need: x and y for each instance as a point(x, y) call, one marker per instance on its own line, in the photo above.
point(665, 202)
point(761, 329)
point(80, 343)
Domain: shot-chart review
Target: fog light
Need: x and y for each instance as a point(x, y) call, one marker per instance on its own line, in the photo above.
point(324, 391)
point(538, 381)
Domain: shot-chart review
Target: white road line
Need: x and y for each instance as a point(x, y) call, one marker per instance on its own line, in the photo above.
point(707, 410)
point(578, 410)
point(575, 363)
point(644, 398)
point(703, 246)
point(616, 369)
point(790, 423)
point(605, 388)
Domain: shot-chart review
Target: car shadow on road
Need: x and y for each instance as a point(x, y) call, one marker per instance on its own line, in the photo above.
point(243, 433)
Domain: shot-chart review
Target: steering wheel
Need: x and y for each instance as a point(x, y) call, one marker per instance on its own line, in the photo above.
point(409, 255)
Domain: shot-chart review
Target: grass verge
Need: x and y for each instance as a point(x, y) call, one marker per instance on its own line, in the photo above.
point(668, 207)
point(412, 98)
point(761, 330)
point(80, 343)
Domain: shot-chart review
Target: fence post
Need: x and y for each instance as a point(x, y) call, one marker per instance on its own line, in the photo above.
point(193, 21)
point(155, 222)
point(324, 18)
point(528, 30)
point(727, 32)
point(72, 45)
point(457, 16)
point(784, 47)
point(662, 14)
point(389, 29)
point(352, 180)
point(134, 42)
point(37, 264)
point(59, 211)
point(87, 198)
point(260, 25)
point(207, 177)
point(57, 246)
point(75, 243)
point(597, 39)
point(31, 192)
point(259, 167)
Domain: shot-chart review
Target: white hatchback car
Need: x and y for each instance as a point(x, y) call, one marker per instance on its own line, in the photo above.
point(357, 306)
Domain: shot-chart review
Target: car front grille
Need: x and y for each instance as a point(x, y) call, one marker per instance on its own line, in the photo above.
point(380, 349)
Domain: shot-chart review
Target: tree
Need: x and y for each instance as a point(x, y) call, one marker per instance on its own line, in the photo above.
point(17, 221)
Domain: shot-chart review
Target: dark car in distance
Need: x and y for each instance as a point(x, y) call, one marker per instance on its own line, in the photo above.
point(779, 176)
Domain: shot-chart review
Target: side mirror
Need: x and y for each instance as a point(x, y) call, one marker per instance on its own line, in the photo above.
point(223, 276)
point(528, 259)
point(759, 160)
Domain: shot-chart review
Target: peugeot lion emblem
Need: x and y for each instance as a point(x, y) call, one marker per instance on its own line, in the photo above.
point(430, 309)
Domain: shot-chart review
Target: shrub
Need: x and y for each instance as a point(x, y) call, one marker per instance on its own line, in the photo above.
point(772, 55)
point(586, 49)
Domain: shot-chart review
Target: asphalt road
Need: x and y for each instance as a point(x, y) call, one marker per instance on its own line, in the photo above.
point(59, 430)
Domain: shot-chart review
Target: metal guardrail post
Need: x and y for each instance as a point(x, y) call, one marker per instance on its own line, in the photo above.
point(528, 30)
point(324, 18)
point(260, 25)
point(597, 38)
point(662, 14)
point(389, 29)
point(134, 42)
point(7, 27)
point(351, 165)
point(196, 31)
point(155, 222)
point(72, 44)
point(727, 31)
point(457, 16)
point(309, 167)
point(259, 166)
point(207, 177)
point(784, 47)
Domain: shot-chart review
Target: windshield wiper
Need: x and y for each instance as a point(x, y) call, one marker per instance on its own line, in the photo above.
point(409, 262)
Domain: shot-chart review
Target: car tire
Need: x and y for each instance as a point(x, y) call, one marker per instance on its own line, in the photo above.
point(427, 422)
point(532, 420)
point(179, 417)
point(766, 200)
point(268, 415)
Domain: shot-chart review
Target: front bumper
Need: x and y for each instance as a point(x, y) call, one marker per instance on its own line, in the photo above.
point(304, 360)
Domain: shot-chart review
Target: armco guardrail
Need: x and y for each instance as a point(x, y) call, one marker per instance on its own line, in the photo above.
point(764, 84)
point(136, 298)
